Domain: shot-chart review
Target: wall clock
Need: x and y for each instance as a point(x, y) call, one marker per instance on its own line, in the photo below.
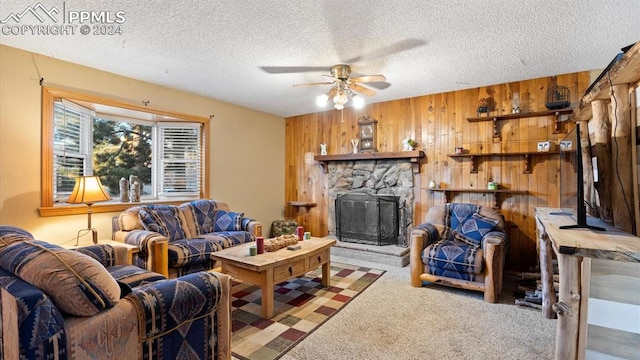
point(368, 134)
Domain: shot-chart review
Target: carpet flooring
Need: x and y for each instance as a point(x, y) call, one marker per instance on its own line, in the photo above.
point(392, 320)
point(301, 305)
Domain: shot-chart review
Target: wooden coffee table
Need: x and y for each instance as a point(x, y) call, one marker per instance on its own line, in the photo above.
point(274, 267)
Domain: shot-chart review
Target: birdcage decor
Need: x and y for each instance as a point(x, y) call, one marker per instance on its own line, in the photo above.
point(557, 98)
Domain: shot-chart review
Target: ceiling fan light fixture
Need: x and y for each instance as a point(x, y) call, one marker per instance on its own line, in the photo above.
point(322, 100)
point(358, 102)
point(340, 99)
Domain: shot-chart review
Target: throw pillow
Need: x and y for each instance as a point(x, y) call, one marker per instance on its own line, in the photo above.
point(164, 220)
point(203, 213)
point(228, 221)
point(473, 229)
point(76, 283)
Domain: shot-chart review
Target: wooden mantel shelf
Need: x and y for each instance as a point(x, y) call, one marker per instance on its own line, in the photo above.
point(414, 157)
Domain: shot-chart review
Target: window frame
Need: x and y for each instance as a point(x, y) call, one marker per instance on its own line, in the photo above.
point(47, 205)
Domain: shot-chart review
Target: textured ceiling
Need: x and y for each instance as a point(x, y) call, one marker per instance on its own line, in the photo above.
point(219, 48)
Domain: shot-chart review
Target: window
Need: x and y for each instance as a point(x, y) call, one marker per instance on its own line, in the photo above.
point(180, 159)
point(71, 145)
point(87, 135)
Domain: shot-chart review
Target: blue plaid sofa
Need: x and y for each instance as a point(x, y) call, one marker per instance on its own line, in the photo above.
point(460, 245)
point(176, 240)
point(58, 303)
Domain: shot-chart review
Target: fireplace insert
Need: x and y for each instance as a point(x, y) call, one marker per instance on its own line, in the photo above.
point(367, 219)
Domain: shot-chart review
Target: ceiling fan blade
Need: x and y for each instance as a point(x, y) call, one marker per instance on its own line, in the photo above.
point(332, 92)
point(368, 78)
point(362, 89)
point(315, 84)
point(398, 47)
point(379, 85)
point(292, 69)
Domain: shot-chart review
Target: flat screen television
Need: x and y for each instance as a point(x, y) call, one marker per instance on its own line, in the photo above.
point(571, 182)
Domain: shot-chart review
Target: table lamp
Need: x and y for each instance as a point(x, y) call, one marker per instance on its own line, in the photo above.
point(88, 190)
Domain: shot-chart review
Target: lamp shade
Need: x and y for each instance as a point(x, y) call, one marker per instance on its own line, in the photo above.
point(88, 190)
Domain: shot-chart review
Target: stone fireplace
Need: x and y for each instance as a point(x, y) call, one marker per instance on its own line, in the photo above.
point(373, 176)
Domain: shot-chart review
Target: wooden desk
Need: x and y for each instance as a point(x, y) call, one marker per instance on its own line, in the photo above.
point(575, 250)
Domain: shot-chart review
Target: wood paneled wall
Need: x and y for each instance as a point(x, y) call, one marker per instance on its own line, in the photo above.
point(439, 123)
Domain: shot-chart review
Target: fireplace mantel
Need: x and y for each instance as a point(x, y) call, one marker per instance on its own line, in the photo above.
point(415, 157)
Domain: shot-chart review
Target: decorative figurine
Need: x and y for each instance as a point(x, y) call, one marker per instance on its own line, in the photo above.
point(124, 190)
point(355, 142)
point(134, 188)
point(515, 104)
point(323, 149)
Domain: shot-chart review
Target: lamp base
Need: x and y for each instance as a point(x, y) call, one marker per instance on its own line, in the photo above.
point(94, 235)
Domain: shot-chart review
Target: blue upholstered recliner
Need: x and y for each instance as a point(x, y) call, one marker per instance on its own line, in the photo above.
point(460, 245)
point(86, 304)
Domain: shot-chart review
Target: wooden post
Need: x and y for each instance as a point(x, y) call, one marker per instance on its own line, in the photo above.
point(622, 191)
point(568, 307)
point(602, 131)
point(635, 110)
point(9, 327)
point(415, 260)
point(585, 285)
point(493, 273)
point(546, 273)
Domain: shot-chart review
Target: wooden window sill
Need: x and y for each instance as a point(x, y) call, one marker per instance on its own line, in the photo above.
point(107, 207)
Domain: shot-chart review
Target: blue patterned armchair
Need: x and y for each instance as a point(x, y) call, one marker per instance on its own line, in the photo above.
point(59, 303)
point(460, 245)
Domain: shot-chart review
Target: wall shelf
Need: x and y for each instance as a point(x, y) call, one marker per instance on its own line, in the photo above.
point(496, 118)
point(300, 210)
point(527, 155)
point(304, 204)
point(415, 157)
point(494, 193)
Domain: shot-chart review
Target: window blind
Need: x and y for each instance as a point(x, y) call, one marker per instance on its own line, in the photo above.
point(72, 145)
point(180, 156)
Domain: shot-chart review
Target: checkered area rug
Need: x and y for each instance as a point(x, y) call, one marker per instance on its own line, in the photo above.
point(301, 306)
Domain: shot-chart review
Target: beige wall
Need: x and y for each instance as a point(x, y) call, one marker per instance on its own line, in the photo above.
point(247, 146)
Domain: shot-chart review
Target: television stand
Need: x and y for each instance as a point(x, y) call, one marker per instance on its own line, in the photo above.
point(582, 226)
point(579, 225)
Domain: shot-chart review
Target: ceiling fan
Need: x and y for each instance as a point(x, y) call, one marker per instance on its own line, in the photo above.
point(344, 87)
